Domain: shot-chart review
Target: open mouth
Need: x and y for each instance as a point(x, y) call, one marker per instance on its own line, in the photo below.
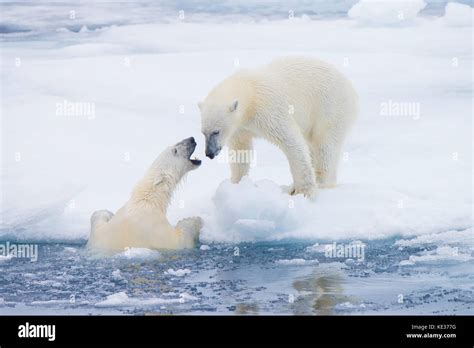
point(195, 161)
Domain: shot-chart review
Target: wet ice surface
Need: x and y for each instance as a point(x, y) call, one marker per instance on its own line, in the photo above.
point(253, 278)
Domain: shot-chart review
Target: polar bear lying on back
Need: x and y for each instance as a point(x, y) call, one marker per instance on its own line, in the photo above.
point(302, 105)
point(142, 222)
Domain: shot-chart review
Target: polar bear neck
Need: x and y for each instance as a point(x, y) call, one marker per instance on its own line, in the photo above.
point(155, 192)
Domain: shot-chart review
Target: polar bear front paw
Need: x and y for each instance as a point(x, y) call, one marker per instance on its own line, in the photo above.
point(287, 189)
point(194, 223)
point(309, 191)
point(190, 227)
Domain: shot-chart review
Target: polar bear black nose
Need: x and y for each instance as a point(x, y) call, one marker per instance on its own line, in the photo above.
point(190, 140)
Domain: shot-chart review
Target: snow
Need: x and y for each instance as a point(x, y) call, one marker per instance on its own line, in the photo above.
point(465, 237)
point(70, 250)
point(117, 276)
point(296, 262)
point(4, 258)
point(440, 254)
point(450, 246)
point(121, 299)
point(138, 254)
point(187, 297)
point(458, 15)
point(178, 272)
point(349, 305)
point(49, 283)
point(317, 248)
point(364, 211)
point(402, 175)
point(50, 302)
point(386, 12)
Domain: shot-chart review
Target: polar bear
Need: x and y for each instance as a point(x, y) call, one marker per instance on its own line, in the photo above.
point(303, 105)
point(142, 222)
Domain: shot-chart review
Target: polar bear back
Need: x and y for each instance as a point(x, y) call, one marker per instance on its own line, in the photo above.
point(315, 93)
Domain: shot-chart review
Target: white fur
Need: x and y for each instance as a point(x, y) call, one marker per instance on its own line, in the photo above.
point(302, 105)
point(142, 221)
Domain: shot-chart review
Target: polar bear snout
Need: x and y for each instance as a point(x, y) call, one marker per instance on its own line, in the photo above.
point(212, 145)
point(185, 149)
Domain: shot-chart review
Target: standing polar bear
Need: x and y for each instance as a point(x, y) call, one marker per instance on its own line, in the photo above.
point(302, 105)
point(141, 222)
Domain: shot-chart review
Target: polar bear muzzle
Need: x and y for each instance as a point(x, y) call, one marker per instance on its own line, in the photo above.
point(190, 146)
point(212, 145)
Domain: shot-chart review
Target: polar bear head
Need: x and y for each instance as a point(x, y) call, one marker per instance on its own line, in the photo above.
point(218, 121)
point(159, 182)
point(173, 163)
point(177, 159)
point(227, 108)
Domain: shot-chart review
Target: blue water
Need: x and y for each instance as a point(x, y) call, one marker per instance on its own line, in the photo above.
point(222, 282)
point(31, 20)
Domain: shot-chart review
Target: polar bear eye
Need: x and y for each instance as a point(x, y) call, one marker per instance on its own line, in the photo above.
point(175, 151)
point(215, 133)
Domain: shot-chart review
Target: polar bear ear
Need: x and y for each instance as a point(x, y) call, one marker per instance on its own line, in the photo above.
point(200, 105)
point(234, 105)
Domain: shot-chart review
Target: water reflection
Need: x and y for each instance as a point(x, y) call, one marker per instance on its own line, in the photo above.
point(247, 309)
point(318, 293)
